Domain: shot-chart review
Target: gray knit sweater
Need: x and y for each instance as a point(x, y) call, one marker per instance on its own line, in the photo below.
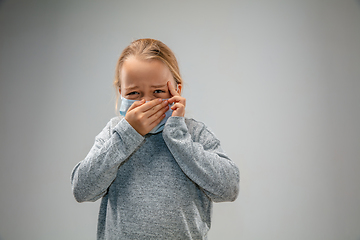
point(157, 186)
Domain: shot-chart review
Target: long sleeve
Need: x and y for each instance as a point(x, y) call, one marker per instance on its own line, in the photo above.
point(199, 155)
point(91, 177)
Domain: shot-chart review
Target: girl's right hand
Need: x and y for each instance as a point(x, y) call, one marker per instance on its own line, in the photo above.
point(144, 116)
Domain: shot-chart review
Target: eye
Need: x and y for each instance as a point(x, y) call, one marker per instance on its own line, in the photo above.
point(132, 93)
point(159, 91)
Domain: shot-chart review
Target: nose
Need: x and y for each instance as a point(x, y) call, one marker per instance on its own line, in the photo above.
point(148, 98)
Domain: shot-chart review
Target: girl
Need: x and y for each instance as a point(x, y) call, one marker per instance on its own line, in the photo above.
point(156, 171)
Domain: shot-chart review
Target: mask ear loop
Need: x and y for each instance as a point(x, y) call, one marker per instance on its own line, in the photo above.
point(177, 89)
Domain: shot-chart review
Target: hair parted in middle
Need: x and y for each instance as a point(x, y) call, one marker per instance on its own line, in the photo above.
point(148, 49)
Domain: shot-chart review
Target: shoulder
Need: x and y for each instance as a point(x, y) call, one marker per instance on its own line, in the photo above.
point(111, 124)
point(114, 121)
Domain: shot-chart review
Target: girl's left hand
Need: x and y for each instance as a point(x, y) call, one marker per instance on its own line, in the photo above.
point(179, 102)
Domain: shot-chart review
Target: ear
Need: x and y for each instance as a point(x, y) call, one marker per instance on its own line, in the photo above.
point(179, 88)
point(120, 91)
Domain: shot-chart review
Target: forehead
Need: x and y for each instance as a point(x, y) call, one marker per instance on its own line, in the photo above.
point(135, 71)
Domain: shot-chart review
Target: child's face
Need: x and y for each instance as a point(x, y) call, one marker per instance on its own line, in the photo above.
point(145, 79)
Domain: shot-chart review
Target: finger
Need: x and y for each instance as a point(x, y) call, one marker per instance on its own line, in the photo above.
point(172, 89)
point(151, 109)
point(136, 104)
point(156, 122)
point(177, 99)
point(176, 106)
point(149, 105)
point(178, 110)
point(157, 117)
point(154, 114)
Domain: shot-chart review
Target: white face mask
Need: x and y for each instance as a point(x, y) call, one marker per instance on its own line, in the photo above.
point(126, 104)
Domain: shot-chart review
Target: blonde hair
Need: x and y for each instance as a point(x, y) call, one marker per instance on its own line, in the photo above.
point(147, 49)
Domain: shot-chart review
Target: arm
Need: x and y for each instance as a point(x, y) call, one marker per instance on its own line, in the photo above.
point(92, 176)
point(201, 158)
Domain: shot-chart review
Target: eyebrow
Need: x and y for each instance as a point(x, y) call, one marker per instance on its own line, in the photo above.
point(131, 88)
point(152, 86)
point(158, 86)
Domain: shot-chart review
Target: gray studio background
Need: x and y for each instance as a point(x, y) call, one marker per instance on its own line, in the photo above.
point(277, 81)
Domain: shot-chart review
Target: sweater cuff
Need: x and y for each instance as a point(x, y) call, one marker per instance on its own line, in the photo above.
point(175, 127)
point(176, 122)
point(128, 133)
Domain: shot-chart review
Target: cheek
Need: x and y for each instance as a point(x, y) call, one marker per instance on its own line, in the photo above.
point(167, 95)
point(163, 95)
